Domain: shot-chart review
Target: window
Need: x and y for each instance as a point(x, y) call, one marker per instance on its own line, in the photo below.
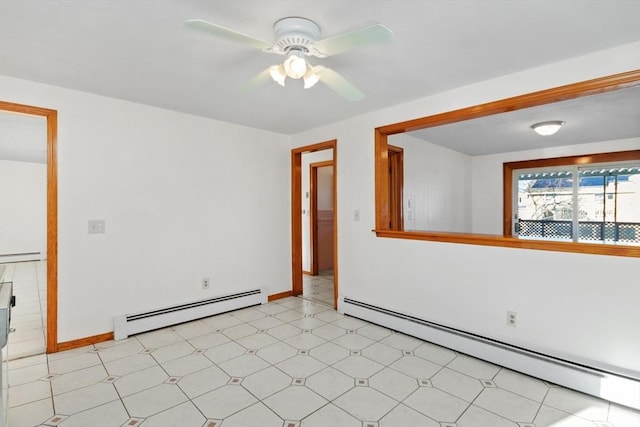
point(584, 199)
point(614, 85)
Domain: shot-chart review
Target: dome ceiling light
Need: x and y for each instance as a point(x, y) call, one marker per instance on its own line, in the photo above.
point(547, 128)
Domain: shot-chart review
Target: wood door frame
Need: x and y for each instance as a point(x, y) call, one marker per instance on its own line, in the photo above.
point(313, 211)
point(396, 187)
point(296, 217)
point(52, 213)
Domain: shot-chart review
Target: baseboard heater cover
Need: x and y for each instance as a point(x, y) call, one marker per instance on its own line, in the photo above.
point(20, 257)
point(617, 386)
point(131, 324)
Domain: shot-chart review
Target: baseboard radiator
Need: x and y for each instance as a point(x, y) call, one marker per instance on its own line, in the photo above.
point(131, 324)
point(612, 384)
point(20, 257)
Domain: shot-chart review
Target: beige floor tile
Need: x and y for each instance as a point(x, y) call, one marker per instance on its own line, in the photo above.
point(365, 403)
point(31, 414)
point(457, 384)
point(154, 400)
point(27, 374)
point(256, 415)
point(436, 404)
point(140, 380)
point(280, 365)
point(393, 383)
point(28, 392)
point(107, 415)
point(224, 401)
point(508, 405)
point(183, 415)
point(295, 402)
point(402, 415)
point(266, 382)
point(475, 416)
point(330, 383)
point(84, 398)
point(78, 379)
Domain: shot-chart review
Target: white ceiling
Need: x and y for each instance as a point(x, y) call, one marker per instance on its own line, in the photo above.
point(139, 50)
point(603, 117)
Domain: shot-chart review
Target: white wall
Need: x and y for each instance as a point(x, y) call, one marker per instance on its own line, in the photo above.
point(487, 177)
point(183, 197)
point(582, 306)
point(307, 159)
point(437, 180)
point(23, 208)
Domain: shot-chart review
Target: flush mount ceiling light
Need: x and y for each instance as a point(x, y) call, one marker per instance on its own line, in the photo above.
point(298, 38)
point(547, 128)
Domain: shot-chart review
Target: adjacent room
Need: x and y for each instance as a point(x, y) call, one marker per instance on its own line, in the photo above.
point(298, 213)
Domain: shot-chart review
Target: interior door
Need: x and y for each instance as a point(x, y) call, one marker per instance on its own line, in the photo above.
point(322, 226)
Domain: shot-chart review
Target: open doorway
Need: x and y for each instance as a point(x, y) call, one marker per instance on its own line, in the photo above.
point(314, 222)
point(317, 283)
point(36, 267)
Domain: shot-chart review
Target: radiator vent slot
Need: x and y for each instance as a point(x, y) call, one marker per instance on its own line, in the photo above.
point(131, 324)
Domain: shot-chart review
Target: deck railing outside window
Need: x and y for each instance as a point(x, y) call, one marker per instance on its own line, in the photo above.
point(588, 231)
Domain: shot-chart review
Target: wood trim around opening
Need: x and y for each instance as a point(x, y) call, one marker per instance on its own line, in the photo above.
point(52, 213)
point(296, 220)
point(396, 187)
point(508, 168)
point(561, 93)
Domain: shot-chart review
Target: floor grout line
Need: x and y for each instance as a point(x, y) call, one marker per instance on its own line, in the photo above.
point(401, 354)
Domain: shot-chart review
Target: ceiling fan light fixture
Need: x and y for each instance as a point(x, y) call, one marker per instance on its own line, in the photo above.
point(295, 66)
point(310, 78)
point(547, 128)
point(277, 74)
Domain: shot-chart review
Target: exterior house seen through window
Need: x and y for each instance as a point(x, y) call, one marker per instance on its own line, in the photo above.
point(592, 203)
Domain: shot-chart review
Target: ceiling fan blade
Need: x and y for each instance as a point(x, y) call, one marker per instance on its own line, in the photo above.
point(338, 84)
point(372, 34)
point(260, 79)
point(228, 34)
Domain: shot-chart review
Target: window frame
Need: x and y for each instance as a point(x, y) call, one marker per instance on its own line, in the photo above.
point(561, 93)
point(510, 168)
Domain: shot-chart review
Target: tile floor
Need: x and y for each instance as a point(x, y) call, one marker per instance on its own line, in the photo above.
point(289, 363)
point(319, 288)
point(28, 317)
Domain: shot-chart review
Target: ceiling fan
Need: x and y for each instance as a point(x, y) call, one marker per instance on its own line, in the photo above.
point(298, 38)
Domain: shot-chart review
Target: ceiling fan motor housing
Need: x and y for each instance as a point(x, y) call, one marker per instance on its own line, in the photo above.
point(294, 33)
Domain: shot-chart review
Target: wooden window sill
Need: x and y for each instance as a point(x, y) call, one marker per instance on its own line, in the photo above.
point(512, 242)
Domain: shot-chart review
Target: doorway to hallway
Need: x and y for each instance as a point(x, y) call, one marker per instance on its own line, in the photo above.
point(318, 248)
point(319, 288)
point(48, 270)
point(314, 223)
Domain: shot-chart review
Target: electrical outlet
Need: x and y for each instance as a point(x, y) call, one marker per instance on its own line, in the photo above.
point(205, 283)
point(512, 318)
